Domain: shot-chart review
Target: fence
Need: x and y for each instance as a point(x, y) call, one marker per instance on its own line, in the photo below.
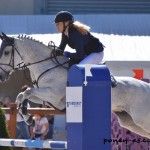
point(12, 111)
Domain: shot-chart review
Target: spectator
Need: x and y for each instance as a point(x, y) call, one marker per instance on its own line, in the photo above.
point(41, 128)
point(22, 129)
point(50, 119)
point(6, 103)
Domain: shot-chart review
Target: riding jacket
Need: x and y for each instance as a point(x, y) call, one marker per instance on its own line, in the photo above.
point(83, 44)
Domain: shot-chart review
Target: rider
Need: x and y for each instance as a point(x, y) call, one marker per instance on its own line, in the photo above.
point(89, 50)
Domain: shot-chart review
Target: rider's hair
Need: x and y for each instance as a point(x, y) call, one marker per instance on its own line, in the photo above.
point(82, 28)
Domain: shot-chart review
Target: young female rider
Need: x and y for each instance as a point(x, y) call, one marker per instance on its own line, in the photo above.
point(89, 50)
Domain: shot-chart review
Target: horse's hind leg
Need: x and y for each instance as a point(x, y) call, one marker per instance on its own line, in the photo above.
point(127, 122)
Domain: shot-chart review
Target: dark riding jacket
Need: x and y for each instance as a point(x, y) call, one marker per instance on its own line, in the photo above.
point(83, 44)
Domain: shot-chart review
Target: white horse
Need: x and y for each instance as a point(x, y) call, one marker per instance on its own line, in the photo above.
point(130, 98)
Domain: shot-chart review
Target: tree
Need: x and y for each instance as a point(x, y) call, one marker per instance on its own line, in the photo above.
point(3, 129)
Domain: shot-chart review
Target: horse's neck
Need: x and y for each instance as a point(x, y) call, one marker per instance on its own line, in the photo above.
point(32, 51)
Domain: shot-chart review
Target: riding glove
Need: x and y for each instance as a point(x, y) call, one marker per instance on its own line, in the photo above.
point(67, 54)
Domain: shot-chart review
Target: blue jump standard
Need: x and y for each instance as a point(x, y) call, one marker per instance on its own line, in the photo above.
point(89, 109)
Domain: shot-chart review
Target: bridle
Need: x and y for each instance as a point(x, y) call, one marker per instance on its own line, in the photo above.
point(11, 63)
point(52, 57)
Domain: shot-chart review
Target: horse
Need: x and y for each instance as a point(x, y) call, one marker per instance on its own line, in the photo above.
point(130, 98)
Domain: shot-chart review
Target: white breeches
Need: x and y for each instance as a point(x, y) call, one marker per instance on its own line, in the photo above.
point(93, 58)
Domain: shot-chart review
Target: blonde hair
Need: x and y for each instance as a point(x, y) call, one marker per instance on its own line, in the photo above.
point(82, 28)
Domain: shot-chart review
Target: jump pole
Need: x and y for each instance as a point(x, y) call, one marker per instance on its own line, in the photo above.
point(61, 145)
point(88, 108)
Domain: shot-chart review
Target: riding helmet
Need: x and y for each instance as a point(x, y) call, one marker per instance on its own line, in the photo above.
point(63, 16)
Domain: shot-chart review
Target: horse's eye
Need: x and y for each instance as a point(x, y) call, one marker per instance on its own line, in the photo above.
point(6, 52)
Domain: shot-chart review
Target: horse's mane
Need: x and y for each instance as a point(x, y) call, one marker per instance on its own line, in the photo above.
point(24, 36)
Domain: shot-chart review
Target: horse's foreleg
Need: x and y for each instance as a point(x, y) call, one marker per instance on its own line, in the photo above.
point(40, 95)
point(27, 117)
point(19, 99)
point(22, 108)
point(22, 102)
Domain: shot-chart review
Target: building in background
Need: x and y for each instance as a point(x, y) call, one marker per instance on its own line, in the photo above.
point(51, 7)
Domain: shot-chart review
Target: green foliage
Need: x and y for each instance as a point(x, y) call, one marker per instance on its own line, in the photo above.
point(3, 129)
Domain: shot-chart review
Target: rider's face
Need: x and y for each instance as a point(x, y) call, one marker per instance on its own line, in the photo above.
point(60, 26)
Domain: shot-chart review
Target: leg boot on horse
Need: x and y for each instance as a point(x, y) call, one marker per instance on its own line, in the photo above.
point(28, 118)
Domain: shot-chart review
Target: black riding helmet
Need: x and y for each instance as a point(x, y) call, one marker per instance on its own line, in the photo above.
point(63, 16)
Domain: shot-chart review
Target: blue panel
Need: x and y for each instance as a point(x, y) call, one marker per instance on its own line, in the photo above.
point(74, 137)
point(97, 117)
point(76, 76)
point(96, 111)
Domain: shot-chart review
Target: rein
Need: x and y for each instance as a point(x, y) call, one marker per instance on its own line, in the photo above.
point(52, 57)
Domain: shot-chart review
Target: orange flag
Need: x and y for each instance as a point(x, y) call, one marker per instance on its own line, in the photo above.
point(138, 73)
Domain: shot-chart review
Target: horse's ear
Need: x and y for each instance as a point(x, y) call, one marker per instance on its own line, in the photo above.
point(4, 35)
point(1, 37)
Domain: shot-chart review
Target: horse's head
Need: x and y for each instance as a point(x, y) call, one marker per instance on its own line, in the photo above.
point(7, 55)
